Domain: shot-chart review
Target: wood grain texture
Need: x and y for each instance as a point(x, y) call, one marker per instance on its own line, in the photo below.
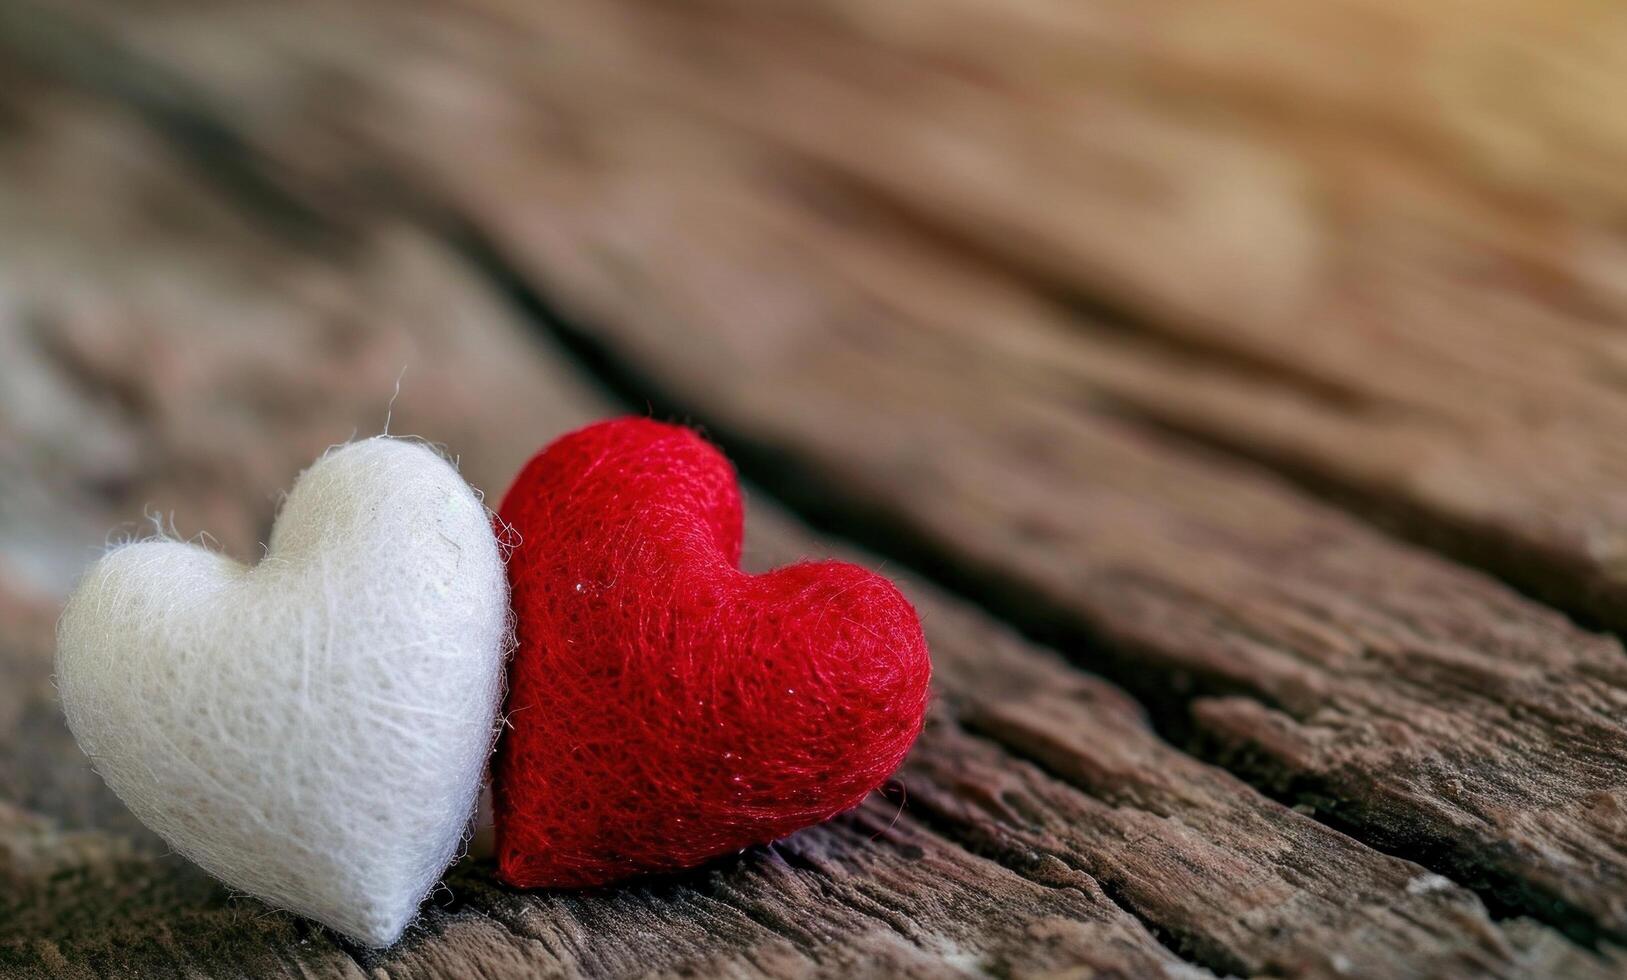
point(1339, 212)
point(1426, 707)
point(1238, 882)
point(200, 376)
point(1325, 239)
point(1423, 705)
point(219, 266)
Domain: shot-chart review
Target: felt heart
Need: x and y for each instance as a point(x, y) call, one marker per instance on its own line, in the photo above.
point(313, 730)
point(665, 707)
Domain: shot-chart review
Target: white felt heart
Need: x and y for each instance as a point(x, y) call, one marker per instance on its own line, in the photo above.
point(312, 730)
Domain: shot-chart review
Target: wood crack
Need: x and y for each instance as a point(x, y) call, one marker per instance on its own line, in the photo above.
point(805, 491)
point(834, 509)
point(1545, 573)
point(1505, 896)
point(1195, 947)
point(1055, 871)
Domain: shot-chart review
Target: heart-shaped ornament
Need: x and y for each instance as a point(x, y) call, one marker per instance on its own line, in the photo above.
point(666, 707)
point(311, 730)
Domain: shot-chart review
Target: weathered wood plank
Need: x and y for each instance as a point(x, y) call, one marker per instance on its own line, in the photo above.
point(1427, 708)
point(1424, 705)
point(874, 893)
point(151, 331)
point(1392, 281)
point(209, 356)
point(1337, 207)
point(1241, 883)
point(871, 894)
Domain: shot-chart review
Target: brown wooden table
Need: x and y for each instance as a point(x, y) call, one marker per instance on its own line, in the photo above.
point(1237, 388)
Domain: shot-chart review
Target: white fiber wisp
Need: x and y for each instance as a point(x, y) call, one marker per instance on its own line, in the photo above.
point(312, 730)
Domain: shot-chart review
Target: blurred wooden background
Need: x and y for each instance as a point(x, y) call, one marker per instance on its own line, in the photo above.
point(1240, 389)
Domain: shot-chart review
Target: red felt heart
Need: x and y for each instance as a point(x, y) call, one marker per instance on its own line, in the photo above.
point(665, 706)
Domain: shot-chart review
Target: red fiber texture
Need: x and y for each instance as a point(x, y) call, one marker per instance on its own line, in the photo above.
point(666, 707)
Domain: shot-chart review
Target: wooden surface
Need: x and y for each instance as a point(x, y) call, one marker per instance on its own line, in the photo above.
point(1236, 388)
